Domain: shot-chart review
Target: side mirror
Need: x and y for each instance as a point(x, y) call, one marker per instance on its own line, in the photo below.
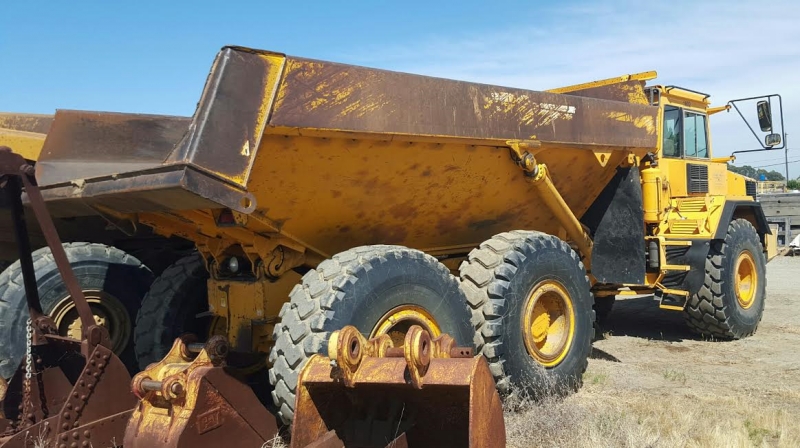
point(772, 140)
point(765, 117)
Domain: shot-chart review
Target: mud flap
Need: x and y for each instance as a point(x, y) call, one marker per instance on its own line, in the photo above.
point(427, 393)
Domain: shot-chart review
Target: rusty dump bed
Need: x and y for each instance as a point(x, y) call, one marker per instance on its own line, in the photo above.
point(333, 156)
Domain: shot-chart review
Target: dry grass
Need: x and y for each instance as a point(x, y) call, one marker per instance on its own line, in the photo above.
point(275, 442)
point(600, 416)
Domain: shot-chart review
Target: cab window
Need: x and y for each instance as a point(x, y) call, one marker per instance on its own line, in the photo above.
point(695, 141)
point(671, 146)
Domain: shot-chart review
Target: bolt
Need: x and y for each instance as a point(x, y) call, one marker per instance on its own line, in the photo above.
point(76, 435)
point(64, 437)
point(176, 389)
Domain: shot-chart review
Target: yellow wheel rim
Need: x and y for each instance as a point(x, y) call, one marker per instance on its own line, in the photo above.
point(397, 322)
point(548, 323)
point(746, 279)
point(108, 312)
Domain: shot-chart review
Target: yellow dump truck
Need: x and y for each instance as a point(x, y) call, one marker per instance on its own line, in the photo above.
point(314, 195)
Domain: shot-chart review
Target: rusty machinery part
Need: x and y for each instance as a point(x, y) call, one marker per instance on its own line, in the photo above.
point(186, 402)
point(60, 412)
point(531, 321)
point(358, 287)
point(112, 281)
point(429, 392)
point(730, 303)
point(62, 385)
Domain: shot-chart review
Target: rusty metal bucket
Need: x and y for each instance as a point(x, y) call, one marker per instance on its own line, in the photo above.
point(368, 394)
point(190, 401)
point(66, 392)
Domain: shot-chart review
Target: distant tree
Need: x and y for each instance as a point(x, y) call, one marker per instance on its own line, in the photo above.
point(745, 170)
point(749, 171)
point(793, 184)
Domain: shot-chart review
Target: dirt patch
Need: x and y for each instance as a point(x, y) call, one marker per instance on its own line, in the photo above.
point(652, 383)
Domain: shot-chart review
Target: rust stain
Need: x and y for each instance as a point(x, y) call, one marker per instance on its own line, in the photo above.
point(406, 210)
point(336, 193)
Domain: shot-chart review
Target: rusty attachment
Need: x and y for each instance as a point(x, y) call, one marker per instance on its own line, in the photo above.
point(366, 393)
point(60, 391)
point(188, 400)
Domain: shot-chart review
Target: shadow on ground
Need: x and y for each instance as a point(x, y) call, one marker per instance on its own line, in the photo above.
point(640, 317)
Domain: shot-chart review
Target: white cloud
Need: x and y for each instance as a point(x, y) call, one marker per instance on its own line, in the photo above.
point(727, 49)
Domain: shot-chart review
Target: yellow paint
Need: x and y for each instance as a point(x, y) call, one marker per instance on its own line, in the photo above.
point(548, 323)
point(745, 279)
point(26, 144)
point(640, 122)
point(250, 308)
point(651, 194)
point(644, 76)
point(397, 321)
point(550, 195)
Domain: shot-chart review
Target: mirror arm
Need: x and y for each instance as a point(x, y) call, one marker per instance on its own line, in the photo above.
point(713, 110)
point(748, 126)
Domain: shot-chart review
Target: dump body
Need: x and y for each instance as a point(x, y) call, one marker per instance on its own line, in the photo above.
point(333, 156)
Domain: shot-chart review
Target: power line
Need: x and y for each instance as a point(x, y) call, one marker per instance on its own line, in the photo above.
point(777, 164)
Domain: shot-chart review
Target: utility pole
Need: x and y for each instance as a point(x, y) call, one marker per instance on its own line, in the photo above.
point(786, 153)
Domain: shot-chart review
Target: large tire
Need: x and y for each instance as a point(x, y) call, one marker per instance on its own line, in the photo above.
point(498, 279)
point(717, 310)
point(170, 309)
point(121, 279)
point(357, 287)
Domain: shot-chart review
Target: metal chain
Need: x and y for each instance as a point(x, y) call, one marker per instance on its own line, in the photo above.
point(26, 396)
point(28, 350)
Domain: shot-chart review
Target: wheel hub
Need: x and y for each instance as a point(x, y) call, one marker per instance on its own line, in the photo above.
point(548, 323)
point(745, 279)
point(107, 311)
point(399, 320)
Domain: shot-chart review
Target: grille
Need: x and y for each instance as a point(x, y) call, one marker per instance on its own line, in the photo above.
point(697, 178)
point(750, 188)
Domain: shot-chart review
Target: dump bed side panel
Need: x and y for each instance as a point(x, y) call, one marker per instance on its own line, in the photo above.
point(325, 95)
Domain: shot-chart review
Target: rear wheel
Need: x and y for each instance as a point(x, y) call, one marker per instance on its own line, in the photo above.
point(530, 297)
point(112, 281)
point(377, 289)
point(171, 308)
point(730, 303)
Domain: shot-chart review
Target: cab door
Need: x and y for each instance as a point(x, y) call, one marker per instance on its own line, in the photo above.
point(686, 150)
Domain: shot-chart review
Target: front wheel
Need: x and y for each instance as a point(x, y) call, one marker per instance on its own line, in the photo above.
point(730, 303)
point(377, 289)
point(531, 298)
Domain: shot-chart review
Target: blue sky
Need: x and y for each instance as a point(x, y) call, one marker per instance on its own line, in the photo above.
point(153, 57)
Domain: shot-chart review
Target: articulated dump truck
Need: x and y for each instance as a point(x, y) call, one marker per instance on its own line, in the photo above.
point(306, 197)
